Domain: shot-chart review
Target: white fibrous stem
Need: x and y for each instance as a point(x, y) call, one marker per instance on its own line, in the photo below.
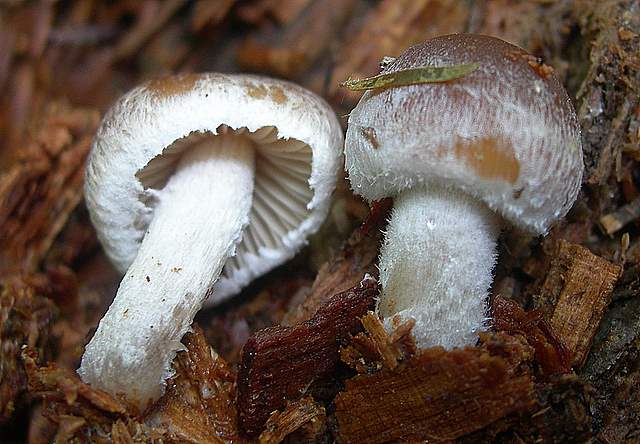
point(197, 222)
point(436, 265)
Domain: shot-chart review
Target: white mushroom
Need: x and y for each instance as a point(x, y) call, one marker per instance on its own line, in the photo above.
point(193, 181)
point(461, 158)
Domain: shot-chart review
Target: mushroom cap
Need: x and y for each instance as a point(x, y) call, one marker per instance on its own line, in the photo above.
point(505, 133)
point(298, 144)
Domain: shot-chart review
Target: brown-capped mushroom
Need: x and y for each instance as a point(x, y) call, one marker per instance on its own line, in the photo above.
point(461, 158)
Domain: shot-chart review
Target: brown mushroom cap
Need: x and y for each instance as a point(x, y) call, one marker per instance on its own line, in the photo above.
point(506, 133)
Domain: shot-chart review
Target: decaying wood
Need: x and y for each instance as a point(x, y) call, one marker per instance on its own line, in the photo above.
point(295, 415)
point(436, 395)
point(26, 318)
point(574, 296)
point(552, 357)
point(39, 193)
point(613, 222)
point(607, 98)
point(280, 363)
point(345, 270)
point(198, 406)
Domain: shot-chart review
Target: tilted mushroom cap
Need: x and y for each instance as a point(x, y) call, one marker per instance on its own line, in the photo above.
point(298, 145)
point(505, 133)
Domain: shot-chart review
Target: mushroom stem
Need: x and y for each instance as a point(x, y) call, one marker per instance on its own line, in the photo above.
point(197, 223)
point(436, 265)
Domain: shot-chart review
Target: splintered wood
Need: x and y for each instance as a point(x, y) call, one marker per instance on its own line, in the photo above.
point(435, 396)
point(198, 405)
point(280, 363)
point(579, 285)
point(296, 415)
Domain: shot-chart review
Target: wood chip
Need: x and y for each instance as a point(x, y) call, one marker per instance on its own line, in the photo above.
point(198, 406)
point(384, 346)
point(295, 415)
point(578, 286)
point(552, 357)
point(613, 222)
point(292, 51)
point(280, 363)
point(435, 396)
point(39, 193)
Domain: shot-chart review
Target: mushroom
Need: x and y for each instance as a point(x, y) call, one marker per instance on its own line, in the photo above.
point(192, 181)
point(461, 159)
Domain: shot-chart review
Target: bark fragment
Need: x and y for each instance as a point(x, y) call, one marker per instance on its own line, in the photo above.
point(280, 363)
point(295, 415)
point(551, 355)
point(198, 405)
point(578, 287)
point(436, 395)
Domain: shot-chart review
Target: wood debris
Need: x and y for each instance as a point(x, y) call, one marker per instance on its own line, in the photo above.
point(552, 357)
point(344, 271)
point(389, 29)
point(292, 51)
point(613, 222)
point(374, 349)
point(26, 318)
point(280, 363)
point(38, 195)
point(436, 395)
point(578, 287)
point(198, 406)
point(295, 415)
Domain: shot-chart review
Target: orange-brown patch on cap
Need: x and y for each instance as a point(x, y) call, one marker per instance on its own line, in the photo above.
point(275, 93)
point(172, 85)
point(490, 158)
point(257, 91)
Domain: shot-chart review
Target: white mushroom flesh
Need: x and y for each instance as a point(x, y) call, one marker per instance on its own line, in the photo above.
point(197, 223)
point(436, 265)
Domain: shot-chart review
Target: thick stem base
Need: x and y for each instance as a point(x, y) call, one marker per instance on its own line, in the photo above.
point(197, 222)
point(436, 265)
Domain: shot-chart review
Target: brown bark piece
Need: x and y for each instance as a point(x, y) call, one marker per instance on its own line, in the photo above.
point(279, 363)
point(435, 396)
point(607, 99)
point(551, 355)
point(198, 405)
point(295, 415)
point(579, 285)
point(382, 342)
point(357, 258)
